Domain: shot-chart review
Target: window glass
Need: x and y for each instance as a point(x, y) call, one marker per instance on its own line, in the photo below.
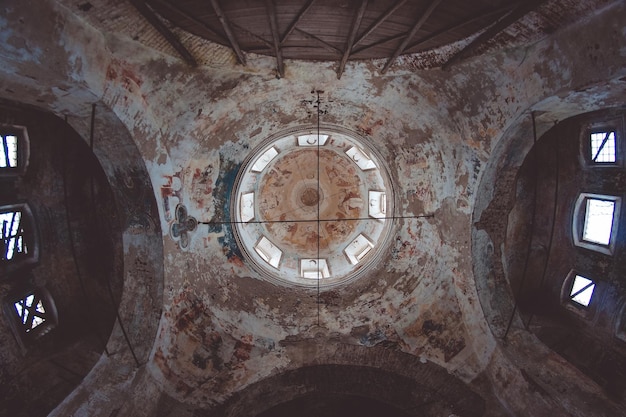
point(598, 221)
point(603, 147)
point(8, 151)
point(31, 311)
point(582, 290)
point(12, 235)
point(595, 222)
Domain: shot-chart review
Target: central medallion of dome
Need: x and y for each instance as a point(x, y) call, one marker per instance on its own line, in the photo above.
point(312, 209)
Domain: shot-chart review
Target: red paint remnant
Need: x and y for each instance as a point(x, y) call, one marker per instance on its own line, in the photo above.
point(243, 348)
point(235, 260)
point(188, 316)
point(370, 128)
point(111, 73)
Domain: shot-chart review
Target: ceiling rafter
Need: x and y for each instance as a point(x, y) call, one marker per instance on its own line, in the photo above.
point(477, 17)
point(229, 33)
point(321, 42)
point(521, 10)
point(271, 14)
point(379, 21)
point(356, 22)
point(295, 21)
point(164, 31)
point(420, 22)
point(183, 13)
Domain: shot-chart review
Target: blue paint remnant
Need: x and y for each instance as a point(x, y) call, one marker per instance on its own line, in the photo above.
point(372, 339)
point(221, 195)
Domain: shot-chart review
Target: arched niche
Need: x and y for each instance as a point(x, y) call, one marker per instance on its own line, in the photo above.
point(397, 382)
point(100, 257)
point(501, 217)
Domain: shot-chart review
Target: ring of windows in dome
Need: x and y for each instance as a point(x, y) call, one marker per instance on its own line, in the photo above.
point(312, 208)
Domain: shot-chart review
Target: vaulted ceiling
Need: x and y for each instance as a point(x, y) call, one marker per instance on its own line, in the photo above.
point(174, 98)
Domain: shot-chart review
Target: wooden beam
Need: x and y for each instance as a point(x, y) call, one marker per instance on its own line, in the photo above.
point(293, 24)
point(271, 14)
point(356, 22)
point(322, 42)
point(517, 13)
point(153, 19)
point(229, 33)
point(379, 21)
point(420, 22)
point(479, 16)
point(183, 13)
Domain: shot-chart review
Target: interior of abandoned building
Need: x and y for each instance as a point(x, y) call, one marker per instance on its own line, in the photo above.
point(313, 207)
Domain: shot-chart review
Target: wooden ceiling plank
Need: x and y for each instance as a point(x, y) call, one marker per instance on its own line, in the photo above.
point(169, 36)
point(380, 42)
point(229, 33)
point(420, 22)
point(321, 42)
point(379, 21)
point(253, 35)
point(295, 21)
point(271, 14)
point(356, 22)
point(517, 13)
point(479, 16)
point(183, 13)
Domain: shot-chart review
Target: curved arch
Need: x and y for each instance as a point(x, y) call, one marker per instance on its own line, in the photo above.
point(139, 310)
point(383, 375)
point(496, 197)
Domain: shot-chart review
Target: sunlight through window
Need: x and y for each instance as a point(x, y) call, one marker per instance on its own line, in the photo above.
point(31, 311)
point(12, 231)
point(582, 290)
point(8, 151)
point(598, 221)
point(603, 147)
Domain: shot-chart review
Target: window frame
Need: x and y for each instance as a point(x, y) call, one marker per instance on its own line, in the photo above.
point(23, 337)
point(578, 222)
point(31, 236)
point(588, 311)
point(23, 149)
point(614, 124)
point(620, 325)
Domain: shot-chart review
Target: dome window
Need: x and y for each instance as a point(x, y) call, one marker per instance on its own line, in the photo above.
point(581, 291)
point(19, 243)
point(595, 222)
point(13, 150)
point(603, 147)
point(34, 314)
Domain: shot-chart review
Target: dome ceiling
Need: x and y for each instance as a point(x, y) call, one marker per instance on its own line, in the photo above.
point(312, 208)
point(200, 332)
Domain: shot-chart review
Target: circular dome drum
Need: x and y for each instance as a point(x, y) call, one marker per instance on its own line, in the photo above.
point(312, 208)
